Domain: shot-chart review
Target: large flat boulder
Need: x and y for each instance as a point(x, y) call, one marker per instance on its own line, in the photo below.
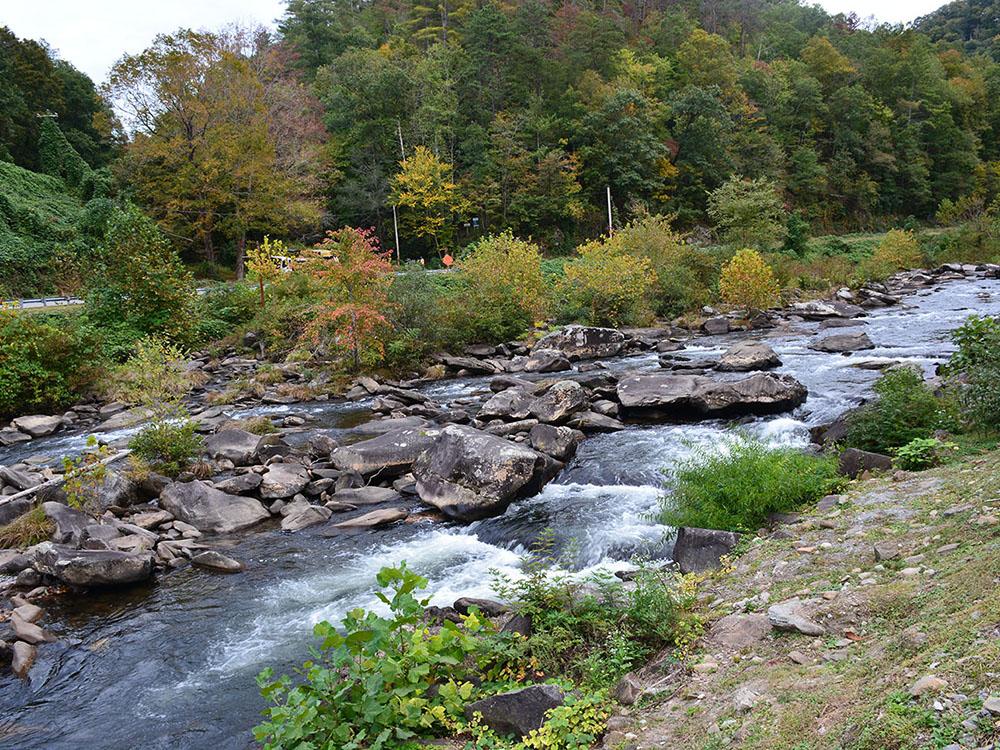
point(389, 454)
point(839, 343)
point(747, 356)
point(283, 480)
point(469, 474)
point(209, 509)
point(547, 360)
point(669, 395)
point(37, 425)
point(88, 568)
point(239, 446)
point(823, 309)
point(583, 342)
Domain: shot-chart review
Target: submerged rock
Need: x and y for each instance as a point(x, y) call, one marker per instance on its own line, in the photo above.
point(217, 561)
point(469, 474)
point(840, 343)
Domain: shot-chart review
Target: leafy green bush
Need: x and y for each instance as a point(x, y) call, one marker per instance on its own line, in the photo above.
point(378, 682)
point(575, 725)
point(416, 315)
point(976, 367)
point(905, 408)
point(223, 309)
point(922, 453)
point(591, 630)
point(606, 285)
point(167, 447)
point(45, 363)
point(735, 490)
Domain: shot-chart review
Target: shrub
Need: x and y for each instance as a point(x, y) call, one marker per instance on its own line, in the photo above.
point(44, 365)
point(223, 308)
point(748, 282)
point(905, 408)
point(605, 285)
point(167, 447)
point(976, 365)
point(500, 291)
point(378, 681)
point(85, 476)
point(683, 272)
point(897, 251)
point(735, 489)
point(153, 377)
point(575, 725)
point(416, 314)
point(922, 453)
point(590, 630)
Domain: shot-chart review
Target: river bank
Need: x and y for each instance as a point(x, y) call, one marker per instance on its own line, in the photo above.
point(600, 504)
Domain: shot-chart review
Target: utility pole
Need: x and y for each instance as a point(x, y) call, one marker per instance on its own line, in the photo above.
point(395, 221)
point(611, 228)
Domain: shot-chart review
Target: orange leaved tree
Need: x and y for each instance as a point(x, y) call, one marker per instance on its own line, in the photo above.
point(354, 275)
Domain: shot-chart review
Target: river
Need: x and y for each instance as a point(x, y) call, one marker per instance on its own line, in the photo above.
point(171, 664)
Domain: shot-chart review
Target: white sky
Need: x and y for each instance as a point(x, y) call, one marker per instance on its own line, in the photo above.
point(93, 34)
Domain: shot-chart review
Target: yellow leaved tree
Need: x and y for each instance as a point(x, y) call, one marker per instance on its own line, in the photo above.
point(747, 281)
point(432, 200)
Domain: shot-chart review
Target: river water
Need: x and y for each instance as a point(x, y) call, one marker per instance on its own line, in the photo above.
point(171, 664)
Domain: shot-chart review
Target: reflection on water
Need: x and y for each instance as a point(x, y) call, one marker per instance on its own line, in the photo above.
point(171, 664)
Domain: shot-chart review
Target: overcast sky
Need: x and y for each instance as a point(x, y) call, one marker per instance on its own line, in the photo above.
point(92, 34)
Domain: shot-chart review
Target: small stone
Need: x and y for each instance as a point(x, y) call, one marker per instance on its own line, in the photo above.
point(947, 548)
point(886, 551)
point(705, 667)
point(217, 561)
point(24, 657)
point(28, 631)
point(29, 612)
point(799, 658)
point(992, 704)
point(909, 572)
point(927, 684)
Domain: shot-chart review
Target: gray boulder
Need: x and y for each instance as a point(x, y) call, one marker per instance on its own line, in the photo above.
point(241, 484)
point(547, 360)
point(583, 342)
point(217, 561)
point(510, 404)
point(91, 568)
point(854, 461)
point(468, 474)
point(671, 395)
point(748, 355)
point(238, 446)
point(698, 550)
point(389, 454)
point(792, 615)
point(822, 309)
point(11, 436)
point(303, 517)
point(209, 509)
point(839, 343)
point(37, 425)
point(716, 326)
point(283, 480)
point(371, 520)
point(69, 523)
point(559, 442)
point(20, 478)
point(366, 495)
point(559, 402)
point(518, 712)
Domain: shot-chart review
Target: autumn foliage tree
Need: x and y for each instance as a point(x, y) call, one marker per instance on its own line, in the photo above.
point(607, 285)
point(748, 282)
point(431, 199)
point(353, 276)
point(898, 250)
point(209, 152)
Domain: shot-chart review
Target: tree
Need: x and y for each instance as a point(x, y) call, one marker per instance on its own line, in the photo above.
point(205, 155)
point(605, 285)
point(748, 213)
point(262, 262)
point(354, 277)
point(748, 282)
point(424, 187)
point(898, 250)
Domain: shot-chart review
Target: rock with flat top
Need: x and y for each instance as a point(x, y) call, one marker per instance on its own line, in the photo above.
point(238, 446)
point(842, 343)
point(698, 550)
point(373, 519)
point(301, 518)
point(791, 615)
point(283, 480)
point(518, 712)
point(747, 356)
point(217, 561)
point(583, 342)
point(209, 509)
point(37, 425)
point(387, 455)
point(91, 568)
point(669, 395)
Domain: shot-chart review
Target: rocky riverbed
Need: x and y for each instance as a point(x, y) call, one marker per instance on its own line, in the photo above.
point(166, 605)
